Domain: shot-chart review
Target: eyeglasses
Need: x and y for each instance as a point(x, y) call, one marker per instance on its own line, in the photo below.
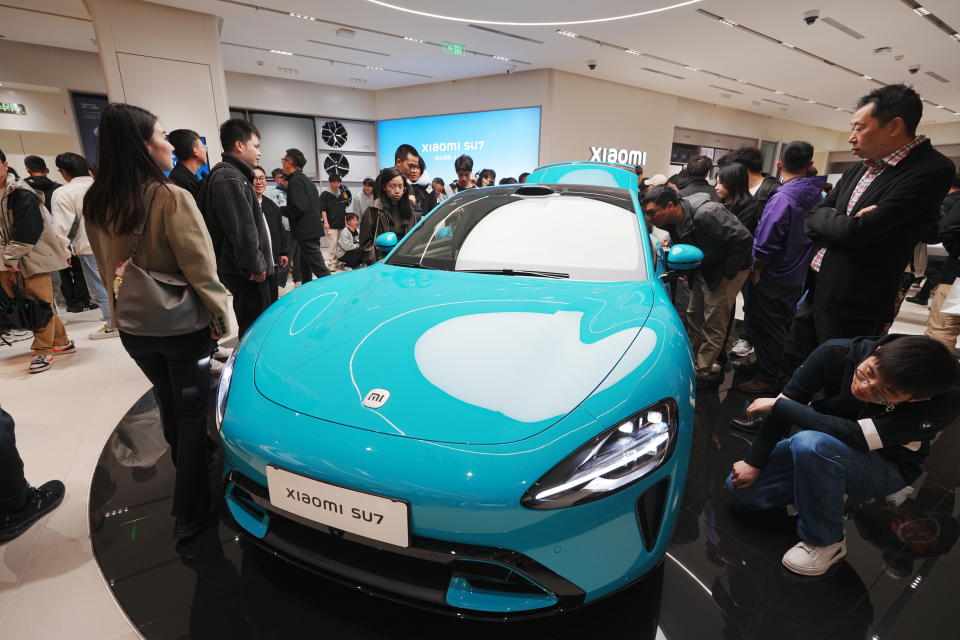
point(260, 178)
point(871, 384)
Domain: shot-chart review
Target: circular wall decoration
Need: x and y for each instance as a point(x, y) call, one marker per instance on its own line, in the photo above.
point(336, 163)
point(333, 133)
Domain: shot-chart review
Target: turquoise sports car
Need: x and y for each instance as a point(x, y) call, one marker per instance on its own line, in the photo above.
point(493, 421)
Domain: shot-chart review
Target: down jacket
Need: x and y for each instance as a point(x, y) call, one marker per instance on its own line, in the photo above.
point(28, 242)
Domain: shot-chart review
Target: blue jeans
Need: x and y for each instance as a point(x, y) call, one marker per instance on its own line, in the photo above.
point(92, 275)
point(812, 471)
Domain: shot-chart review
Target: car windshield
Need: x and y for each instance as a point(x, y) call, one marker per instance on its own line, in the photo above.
point(555, 231)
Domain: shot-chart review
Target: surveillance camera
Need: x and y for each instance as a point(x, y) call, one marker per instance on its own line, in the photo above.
point(592, 65)
point(914, 69)
point(811, 16)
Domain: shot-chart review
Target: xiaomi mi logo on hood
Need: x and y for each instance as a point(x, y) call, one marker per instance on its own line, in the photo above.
point(376, 398)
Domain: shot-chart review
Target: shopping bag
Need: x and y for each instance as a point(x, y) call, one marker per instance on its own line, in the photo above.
point(952, 303)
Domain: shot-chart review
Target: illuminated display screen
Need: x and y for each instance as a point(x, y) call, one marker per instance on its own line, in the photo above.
point(507, 141)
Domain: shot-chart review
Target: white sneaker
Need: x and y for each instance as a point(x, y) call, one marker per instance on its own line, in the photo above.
point(40, 363)
point(808, 560)
point(103, 333)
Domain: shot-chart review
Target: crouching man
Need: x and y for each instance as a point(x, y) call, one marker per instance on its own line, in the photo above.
point(881, 402)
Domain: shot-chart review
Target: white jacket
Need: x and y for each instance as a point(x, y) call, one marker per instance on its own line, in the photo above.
point(66, 205)
point(347, 242)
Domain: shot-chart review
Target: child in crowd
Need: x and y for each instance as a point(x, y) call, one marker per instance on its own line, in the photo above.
point(348, 247)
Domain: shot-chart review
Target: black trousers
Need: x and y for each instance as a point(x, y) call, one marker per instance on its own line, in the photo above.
point(810, 329)
point(13, 486)
point(311, 260)
point(73, 285)
point(250, 299)
point(273, 286)
point(352, 258)
point(179, 368)
point(768, 312)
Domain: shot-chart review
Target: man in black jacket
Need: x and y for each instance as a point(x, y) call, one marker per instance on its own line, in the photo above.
point(233, 216)
point(191, 155)
point(945, 327)
point(39, 178)
point(868, 226)
point(883, 402)
point(306, 222)
point(698, 169)
point(408, 161)
point(726, 246)
point(278, 244)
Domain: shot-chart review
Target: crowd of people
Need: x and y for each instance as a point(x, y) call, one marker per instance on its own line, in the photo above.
point(820, 269)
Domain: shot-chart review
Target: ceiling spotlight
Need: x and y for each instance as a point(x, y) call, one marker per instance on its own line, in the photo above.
point(811, 101)
point(788, 45)
point(501, 58)
point(408, 38)
point(922, 11)
point(940, 106)
point(282, 53)
point(728, 22)
point(741, 81)
point(302, 17)
point(693, 68)
point(632, 52)
point(866, 77)
point(373, 68)
point(779, 93)
point(569, 34)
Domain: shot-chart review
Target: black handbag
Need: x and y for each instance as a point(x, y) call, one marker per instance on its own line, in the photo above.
point(23, 314)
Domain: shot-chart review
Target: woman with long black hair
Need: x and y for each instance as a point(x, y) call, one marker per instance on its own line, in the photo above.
point(394, 209)
point(136, 219)
point(733, 188)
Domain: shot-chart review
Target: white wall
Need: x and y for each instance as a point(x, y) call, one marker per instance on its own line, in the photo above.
point(280, 95)
point(46, 130)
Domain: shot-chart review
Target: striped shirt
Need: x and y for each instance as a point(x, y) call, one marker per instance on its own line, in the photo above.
point(874, 169)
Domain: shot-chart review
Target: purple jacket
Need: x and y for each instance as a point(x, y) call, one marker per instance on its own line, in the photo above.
point(781, 248)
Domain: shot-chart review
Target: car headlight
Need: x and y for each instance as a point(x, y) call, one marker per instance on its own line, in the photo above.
point(611, 461)
point(223, 387)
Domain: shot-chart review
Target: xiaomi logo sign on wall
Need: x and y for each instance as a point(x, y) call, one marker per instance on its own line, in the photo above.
point(618, 156)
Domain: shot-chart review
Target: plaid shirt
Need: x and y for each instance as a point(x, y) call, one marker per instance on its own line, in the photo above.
point(874, 169)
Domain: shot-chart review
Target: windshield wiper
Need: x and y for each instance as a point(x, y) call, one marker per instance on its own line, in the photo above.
point(413, 265)
point(517, 272)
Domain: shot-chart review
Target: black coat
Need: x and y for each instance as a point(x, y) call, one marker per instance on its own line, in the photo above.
point(767, 188)
point(747, 213)
point(234, 220)
point(949, 232)
point(699, 185)
point(866, 256)
point(44, 185)
point(303, 207)
point(277, 236)
point(185, 179)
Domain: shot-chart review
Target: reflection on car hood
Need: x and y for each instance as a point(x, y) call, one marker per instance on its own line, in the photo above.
point(467, 358)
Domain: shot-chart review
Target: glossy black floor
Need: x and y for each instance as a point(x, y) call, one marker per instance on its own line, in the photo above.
point(721, 579)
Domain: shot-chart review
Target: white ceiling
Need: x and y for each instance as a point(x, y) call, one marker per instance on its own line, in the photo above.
point(684, 35)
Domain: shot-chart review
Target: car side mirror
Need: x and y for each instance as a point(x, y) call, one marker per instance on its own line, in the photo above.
point(684, 257)
point(385, 242)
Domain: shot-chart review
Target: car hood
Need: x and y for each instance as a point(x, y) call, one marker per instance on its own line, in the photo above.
point(465, 358)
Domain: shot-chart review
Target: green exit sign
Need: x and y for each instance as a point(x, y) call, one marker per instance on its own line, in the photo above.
point(13, 107)
point(453, 48)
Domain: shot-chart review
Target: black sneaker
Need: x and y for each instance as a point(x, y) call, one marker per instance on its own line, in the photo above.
point(40, 501)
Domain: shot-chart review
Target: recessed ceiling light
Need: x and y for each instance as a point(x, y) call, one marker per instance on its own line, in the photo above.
point(940, 106)
point(569, 34)
point(866, 77)
point(373, 68)
point(778, 92)
point(728, 22)
point(501, 58)
point(302, 17)
point(788, 45)
point(632, 52)
point(532, 24)
point(812, 101)
point(693, 68)
point(282, 53)
point(413, 39)
point(921, 11)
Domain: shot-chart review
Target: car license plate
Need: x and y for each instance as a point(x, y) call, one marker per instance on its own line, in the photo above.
point(364, 514)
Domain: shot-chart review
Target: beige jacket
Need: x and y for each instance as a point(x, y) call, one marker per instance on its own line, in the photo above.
point(35, 256)
point(175, 242)
point(66, 205)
